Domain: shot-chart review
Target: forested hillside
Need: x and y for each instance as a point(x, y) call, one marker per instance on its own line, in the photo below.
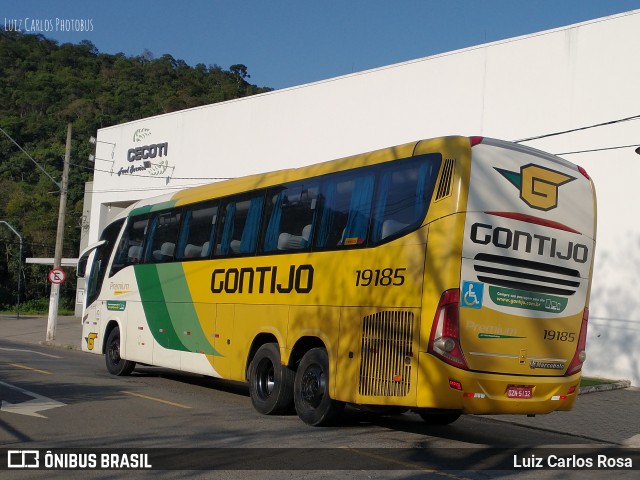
point(43, 86)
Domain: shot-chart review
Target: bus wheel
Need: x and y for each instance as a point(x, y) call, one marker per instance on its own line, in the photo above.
point(115, 364)
point(270, 383)
point(439, 417)
point(311, 390)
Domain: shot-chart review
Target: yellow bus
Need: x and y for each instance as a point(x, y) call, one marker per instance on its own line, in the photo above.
point(446, 276)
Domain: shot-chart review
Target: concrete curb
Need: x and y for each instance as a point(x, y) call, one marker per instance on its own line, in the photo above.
point(54, 344)
point(605, 387)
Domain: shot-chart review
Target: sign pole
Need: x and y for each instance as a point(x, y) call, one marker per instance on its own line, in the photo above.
point(54, 298)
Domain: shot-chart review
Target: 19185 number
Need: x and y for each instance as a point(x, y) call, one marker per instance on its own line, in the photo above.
point(383, 277)
point(559, 336)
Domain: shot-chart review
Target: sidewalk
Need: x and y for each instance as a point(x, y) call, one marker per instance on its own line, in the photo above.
point(603, 413)
point(33, 329)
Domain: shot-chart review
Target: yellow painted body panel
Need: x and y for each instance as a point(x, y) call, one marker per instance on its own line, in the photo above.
point(489, 391)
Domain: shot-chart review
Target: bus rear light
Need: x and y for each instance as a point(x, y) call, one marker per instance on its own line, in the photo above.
point(475, 140)
point(456, 385)
point(444, 341)
point(584, 172)
point(581, 355)
point(473, 395)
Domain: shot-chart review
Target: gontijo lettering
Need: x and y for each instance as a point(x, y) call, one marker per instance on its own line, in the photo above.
point(263, 279)
point(517, 240)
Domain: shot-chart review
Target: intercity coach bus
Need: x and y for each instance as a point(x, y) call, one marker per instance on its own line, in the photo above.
point(447, 276)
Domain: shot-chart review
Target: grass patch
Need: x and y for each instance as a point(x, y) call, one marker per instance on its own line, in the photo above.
point(589, 382)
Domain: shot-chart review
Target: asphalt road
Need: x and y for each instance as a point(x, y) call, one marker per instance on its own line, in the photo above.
point(55, 398)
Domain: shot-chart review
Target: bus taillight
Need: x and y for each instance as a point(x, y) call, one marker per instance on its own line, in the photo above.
point(584, 172)
point(581, 355)
point(475, 140)
point(444, 341)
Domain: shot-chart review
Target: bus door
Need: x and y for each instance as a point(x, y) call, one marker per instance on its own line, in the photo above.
point(528, 249)
point(98, 271)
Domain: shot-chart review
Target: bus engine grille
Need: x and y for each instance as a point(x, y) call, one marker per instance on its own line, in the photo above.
point(385, 368)
point(526, 275)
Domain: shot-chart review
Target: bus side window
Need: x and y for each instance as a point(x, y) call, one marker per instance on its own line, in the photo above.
point(129, 251)
point(290, 218)
point(198, 230)
point(238, 230)
point(163, 236)
point(404, 194)
point(346, 210)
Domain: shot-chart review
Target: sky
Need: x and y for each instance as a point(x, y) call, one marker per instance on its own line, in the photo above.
point(284, 43)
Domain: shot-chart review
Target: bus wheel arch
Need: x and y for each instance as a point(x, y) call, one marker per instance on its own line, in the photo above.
point(302, 346)
point(107, 331)
point(116, 365)
point(260, 340)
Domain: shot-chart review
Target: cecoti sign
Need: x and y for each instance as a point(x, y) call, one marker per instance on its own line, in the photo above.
point(148, 151)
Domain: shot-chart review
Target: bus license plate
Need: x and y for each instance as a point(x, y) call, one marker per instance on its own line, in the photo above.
point(517, 391)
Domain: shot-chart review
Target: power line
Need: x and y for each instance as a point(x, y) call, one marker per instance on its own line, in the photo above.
point(598, 149)
point(59, 185)
point(611, 122)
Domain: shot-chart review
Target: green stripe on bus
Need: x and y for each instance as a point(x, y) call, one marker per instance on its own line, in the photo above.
point(155, 307)
point(181, 310)
point(152, 208)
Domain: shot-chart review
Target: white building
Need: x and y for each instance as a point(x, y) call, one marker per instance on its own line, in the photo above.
point(553, 81)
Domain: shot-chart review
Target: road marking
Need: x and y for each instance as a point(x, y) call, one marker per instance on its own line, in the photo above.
point(17, 365)
point(30, 407)
point(29, 351)
point(632, 441)
point(407, 465)
point(155, 399)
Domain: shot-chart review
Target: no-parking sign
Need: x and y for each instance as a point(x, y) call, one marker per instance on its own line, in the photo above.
point(57, 276)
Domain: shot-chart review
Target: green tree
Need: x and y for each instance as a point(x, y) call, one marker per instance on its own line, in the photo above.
point(44, 85)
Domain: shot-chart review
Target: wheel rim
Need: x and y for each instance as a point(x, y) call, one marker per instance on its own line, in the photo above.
point(114, 352)
point(265, 376)
point(313, 386)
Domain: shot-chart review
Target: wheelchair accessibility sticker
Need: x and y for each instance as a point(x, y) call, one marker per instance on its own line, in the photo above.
point(471, 295)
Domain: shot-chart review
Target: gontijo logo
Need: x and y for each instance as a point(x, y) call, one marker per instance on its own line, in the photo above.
point(538, 185)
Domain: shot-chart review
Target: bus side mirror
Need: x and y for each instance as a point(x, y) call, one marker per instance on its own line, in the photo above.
point(82, 266)
point(84, 257)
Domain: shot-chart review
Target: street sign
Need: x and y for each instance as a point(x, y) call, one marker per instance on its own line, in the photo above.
point(57, 276)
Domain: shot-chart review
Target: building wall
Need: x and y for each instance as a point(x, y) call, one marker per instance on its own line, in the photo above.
point(553, 81)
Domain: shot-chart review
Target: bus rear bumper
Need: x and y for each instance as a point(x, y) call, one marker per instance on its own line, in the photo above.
point(445, 387)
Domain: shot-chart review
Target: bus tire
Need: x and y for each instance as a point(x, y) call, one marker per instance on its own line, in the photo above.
point(270, 382)
point(439, 417)
point(116, 364)
point(311, 390)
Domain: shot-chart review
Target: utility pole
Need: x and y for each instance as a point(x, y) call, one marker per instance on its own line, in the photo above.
point(54, 298)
